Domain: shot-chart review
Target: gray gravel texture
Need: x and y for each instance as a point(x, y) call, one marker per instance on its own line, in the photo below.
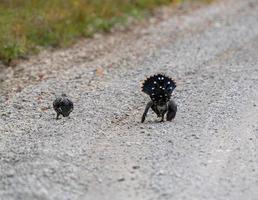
point(102, 151)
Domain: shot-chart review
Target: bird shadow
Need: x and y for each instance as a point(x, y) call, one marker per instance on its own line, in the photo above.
point(154, 122)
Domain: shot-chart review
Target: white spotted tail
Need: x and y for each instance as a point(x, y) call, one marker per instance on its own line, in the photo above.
point(159, 87)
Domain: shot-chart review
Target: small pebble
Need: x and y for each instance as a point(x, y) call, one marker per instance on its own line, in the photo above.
point(136, 167)
point(121, 179)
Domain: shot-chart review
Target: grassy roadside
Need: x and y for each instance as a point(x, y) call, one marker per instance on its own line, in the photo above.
point(27, 25)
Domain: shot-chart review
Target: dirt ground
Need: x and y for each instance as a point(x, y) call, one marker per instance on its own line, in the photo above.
point(102, 151)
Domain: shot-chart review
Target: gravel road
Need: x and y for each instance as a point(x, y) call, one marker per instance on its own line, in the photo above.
point(102, 151)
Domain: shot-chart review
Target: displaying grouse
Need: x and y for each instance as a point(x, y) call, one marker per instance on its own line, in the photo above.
point(160, 87)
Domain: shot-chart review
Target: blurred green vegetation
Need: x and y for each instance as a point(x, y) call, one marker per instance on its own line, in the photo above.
point(26, 25)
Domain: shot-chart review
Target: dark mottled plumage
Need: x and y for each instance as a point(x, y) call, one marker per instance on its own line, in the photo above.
point(63, 106)
point(160, 87)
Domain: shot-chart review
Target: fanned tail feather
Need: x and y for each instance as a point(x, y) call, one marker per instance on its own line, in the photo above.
point(158, 87)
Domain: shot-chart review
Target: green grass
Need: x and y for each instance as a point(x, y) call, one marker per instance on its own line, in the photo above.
point(28, 25)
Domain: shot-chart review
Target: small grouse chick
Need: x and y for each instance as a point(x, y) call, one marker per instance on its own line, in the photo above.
point(160, 87)
point(63, 106)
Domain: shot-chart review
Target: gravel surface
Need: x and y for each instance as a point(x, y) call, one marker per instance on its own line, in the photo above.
point(102, 151)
